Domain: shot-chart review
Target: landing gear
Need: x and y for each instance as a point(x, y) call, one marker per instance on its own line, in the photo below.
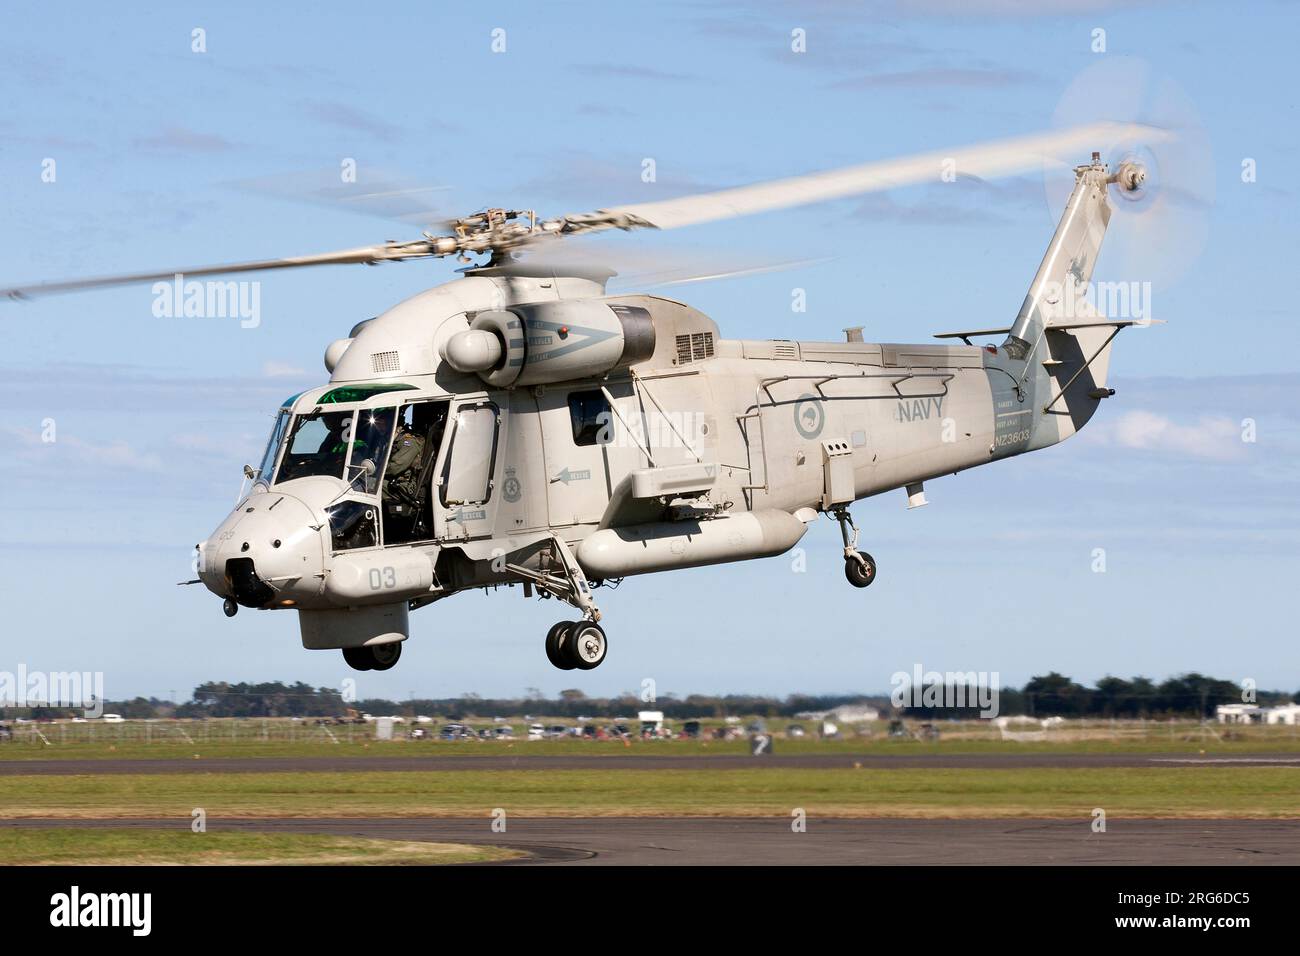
point(859, 567)
point(576, 644)
point(377, 657)
point(587, 645)
point(569, 644)
point(230, 607)
point(557, 643)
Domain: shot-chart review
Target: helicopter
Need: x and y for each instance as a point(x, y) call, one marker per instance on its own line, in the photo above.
point(519, 426)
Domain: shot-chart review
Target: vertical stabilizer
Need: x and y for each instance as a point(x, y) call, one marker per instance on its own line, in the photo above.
point(1066, 269)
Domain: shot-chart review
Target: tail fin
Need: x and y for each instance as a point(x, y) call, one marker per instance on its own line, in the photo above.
point(1059, 332)
point(1067, 267)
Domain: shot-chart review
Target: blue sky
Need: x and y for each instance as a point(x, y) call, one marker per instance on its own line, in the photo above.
point(155, 416)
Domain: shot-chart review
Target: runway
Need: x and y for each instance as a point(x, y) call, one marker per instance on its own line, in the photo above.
point(449, 762)
point(771, 841)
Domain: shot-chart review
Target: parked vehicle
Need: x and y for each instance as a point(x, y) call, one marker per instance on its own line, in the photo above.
point(455, 732)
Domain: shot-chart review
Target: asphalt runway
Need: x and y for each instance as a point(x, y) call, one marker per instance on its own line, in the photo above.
point(448, 762)
point(770, 841)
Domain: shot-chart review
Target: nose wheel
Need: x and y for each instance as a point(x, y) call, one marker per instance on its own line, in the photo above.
point(376, 657)
point(576, 644)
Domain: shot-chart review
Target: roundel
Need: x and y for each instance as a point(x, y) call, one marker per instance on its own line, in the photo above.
point(809, 416)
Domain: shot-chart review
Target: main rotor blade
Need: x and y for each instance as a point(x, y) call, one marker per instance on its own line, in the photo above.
point(378, 192)
point(633, 263)
point(365, 254)
point(987, 160)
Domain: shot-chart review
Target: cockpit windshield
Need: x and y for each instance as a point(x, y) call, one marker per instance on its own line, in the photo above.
point(336, 444)
point(272, 452)
point(317, 445)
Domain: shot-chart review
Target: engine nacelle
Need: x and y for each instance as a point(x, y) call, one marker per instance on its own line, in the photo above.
point(546, 342)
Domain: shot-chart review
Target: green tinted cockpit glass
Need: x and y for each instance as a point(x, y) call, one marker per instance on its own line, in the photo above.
point(359, 393)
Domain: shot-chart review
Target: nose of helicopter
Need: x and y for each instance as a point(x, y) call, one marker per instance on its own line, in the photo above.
point(263, 551)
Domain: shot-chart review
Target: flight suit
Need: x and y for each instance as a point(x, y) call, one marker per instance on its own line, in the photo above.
point(404, 462)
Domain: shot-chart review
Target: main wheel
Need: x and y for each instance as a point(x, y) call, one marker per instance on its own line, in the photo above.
point(384, 656)
point(358, 658)
point(586, 645)
point(860, 573)
point(557, 645)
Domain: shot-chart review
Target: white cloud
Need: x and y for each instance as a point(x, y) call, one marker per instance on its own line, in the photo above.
point(1212, 437)
point(116, 455)
point(282, 370)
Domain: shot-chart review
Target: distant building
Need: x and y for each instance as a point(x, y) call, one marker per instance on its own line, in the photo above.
point(845, 714)
point(1254, 714)
point(1238, 713)
point(1282, 714)
point(854, 714)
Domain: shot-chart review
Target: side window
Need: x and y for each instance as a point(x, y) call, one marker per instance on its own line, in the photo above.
point(467, 473)
point(591, 418)
point(352, 525)
point(370, 440)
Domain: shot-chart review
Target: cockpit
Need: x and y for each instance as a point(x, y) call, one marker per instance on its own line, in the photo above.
point(335, 444)
point(385, 454)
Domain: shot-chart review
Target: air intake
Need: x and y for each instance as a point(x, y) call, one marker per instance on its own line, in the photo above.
point(385, 362)
point(694, 347)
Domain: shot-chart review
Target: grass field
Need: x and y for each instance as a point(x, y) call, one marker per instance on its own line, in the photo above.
point(257, 738)
point(1187, 792)
point(41, 847)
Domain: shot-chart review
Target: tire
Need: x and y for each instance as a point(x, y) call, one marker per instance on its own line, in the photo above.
point(586, 645)
point(384, 657)
point(557, 645)
point(859, 576)
point(358, 658)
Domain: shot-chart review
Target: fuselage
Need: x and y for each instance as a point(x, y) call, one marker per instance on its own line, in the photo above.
point(683, 444)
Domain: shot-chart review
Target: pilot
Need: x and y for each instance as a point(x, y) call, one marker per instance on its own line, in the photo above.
point(402, 472)
point(339, 437)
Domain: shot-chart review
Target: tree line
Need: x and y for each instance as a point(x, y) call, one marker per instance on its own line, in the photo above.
point(1055, 695)
point(1049, 695)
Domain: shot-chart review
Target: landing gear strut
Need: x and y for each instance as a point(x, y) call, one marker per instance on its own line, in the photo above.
point(859, 567)
point(376, 657)
point(580, 644)
point(569, 644)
